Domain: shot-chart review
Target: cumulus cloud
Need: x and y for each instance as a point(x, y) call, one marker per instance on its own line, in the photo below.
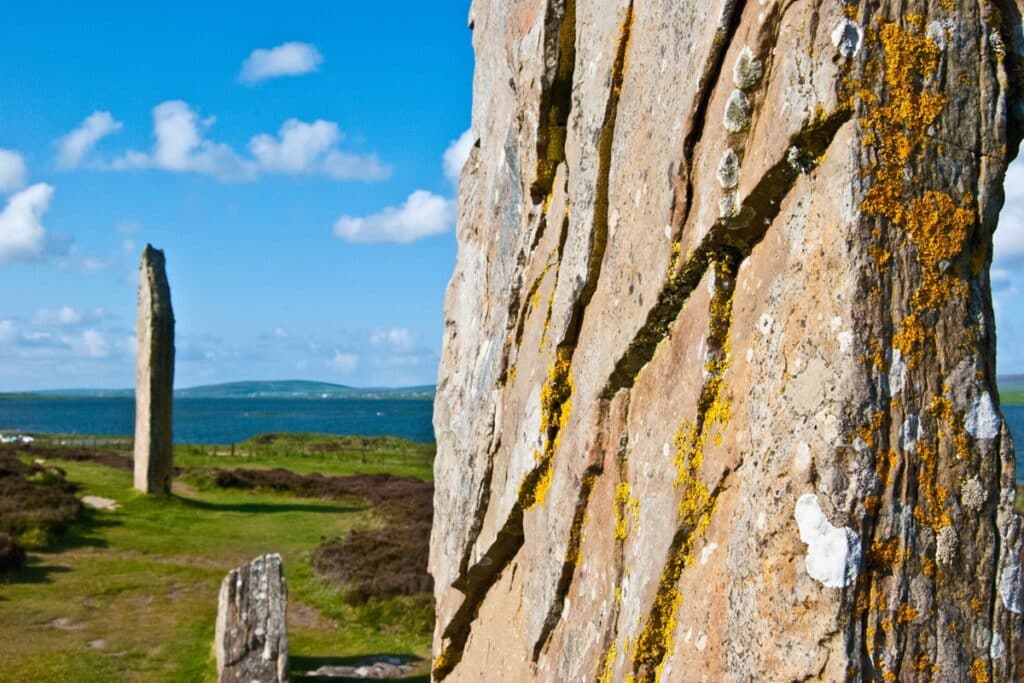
point(299, 148)
point(398, 338)
point(93, 344)
point(180, 145)
point(1009, 237)
point(61, 316)
point(22, 235)
point(74, 146)
point(7, 331)
point(423, 214)
point(306, 148)
point(12, 171)
point(456, 154)
point(345, 362)
point(287, 59)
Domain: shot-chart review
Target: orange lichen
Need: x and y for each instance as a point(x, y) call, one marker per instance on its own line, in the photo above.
point(942, 408)
point(979, 671)
point(930, 508)
point(906, 614)
point(898, 129)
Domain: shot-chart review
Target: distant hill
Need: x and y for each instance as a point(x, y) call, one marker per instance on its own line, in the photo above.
point(275, 389)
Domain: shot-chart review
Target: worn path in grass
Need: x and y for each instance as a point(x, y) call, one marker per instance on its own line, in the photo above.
point(131, 594)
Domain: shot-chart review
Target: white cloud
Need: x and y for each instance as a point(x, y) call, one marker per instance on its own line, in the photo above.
point(288, 59)
point(299, 148)
point(280, 333)
point(305, 148)
point(7, 331)
point(128, 227)
point(1009, 237)
point(345, 362)
point(423, 214)
point(180, 146)
point(456, 154)
point(78, 143)
point(62, 316)
point(94, 344)
point(12, 171)
point(398, 338)
point(22, 235)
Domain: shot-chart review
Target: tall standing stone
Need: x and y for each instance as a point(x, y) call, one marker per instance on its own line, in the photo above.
point(154, 377)
point(718, 395)
point(251, 635)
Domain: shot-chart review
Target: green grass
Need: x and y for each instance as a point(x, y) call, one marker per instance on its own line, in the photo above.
point(144, 580)
point(1011, 397)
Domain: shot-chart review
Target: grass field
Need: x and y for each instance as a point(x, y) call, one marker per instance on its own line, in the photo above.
point(130, 594)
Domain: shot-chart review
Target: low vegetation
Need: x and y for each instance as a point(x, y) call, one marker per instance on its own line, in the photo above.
point(130, 593)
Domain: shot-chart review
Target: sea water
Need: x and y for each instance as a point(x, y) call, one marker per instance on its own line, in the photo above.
point(223, 421)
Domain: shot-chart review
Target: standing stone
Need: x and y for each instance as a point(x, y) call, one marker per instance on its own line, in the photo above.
point(717, 397)
point(251, 638)
point(154, 377)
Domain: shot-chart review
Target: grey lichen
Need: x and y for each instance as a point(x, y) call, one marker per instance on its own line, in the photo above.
point(799, 161)
point(945, 545)
point(728, 207)
point(737, 112)
point(729, 170)
point(972, 494)
point(747, 71)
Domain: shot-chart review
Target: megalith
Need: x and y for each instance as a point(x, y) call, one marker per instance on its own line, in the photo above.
point(717, 397)
point(154, 377)
point(251, 635)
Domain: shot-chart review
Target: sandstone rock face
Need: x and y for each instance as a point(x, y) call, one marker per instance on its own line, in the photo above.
point(154, 377)
point(717, 398)
point(251, 640)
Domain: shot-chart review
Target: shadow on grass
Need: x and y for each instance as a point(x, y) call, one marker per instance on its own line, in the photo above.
point(301, 668)
point(263, 508)
point(33, 573)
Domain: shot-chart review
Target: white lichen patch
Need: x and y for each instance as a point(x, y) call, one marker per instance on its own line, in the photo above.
point(765, 324)
point(833, 553)
point(847, 37)
point(737, 112)
point(729, 170)
point(845, 340)
point(997, 647)
point(983, 422)
point(800, 161)
point(728, 206)
point(973, 494)
point(802, 459)
point(910, 432)
point(940, 32)
point(701, 642)
point(1009, 586)
point(705, 553)
point(945, 545)
point(747, 71)
point(898, 376)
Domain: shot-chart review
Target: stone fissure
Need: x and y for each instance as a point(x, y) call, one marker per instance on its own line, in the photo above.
point(556, 404)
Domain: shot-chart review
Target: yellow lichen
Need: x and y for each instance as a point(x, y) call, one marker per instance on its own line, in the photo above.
point(608, 664)
point(942, 408)
point(623, 502)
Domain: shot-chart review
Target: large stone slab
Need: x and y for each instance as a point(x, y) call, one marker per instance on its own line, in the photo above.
point(154, 377)
point(717, 395)
point(251, 639)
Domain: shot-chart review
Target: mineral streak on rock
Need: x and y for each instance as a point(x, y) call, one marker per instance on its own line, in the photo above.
point(251, 638)
point(717, 397)
point(154, 377)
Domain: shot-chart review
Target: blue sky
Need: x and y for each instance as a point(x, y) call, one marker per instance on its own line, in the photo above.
point(296, 165)
point(291, 163)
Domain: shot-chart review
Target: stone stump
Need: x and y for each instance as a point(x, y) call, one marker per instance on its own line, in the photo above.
point(251, 639)
point(154, 377)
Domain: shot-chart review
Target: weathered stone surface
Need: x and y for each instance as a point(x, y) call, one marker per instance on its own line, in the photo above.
point(717, 397)
point(251, 639)
point(154, 377)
